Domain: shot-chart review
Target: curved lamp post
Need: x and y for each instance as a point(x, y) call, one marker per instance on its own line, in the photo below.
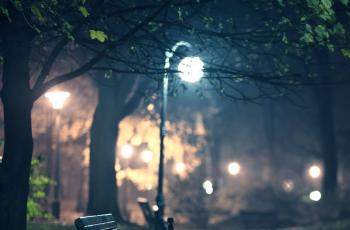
point(190, 70)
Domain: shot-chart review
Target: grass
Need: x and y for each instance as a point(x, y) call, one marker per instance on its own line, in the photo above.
point(48, 226)
point(339, 225)
point(51, 226)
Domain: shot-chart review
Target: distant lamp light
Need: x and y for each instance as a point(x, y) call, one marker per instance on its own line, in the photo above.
point(208, 187)
point(315, 195)
point(180, 167)
point(155, 207)
point(149, 187)
point(191, 69)
point(288, 185)
point(127, 151)
point(314, 171)
point(146, 156)
point(234, 168)
point(150, 107)
point(57, 98)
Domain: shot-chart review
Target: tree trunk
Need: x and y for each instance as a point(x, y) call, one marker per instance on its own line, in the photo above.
point(104, 133)
point(328, 142)
point(17, 103)
point(324, 98)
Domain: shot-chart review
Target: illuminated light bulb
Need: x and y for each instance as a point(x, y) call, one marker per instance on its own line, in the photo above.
point(315, 171)
point(150, 107)
point(288, 185)
point(155, 207)
point(149, 187)
point(180, 167)
point(208, 187)
point(127, 151)
point(234, 168)
point(146, 156)
point(191, 69)
point(315, 195)
point(209, 191)
point(57, 98)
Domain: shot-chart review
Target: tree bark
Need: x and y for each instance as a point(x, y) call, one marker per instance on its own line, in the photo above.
point(115, 101)
point(328, 140)
point(104, 133)
point(17, 104)
point(324, 98)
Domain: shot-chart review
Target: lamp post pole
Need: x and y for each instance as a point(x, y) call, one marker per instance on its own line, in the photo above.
point(57, 100)
point(56, 206)
point(163, 131)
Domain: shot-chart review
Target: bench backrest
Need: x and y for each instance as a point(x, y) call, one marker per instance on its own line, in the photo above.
point(97, 222)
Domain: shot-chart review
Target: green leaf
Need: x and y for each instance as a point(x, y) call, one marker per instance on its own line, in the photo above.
point(67, 28)
point(179, 15)
point(345, 2)
point(4, 11)
point(37, 13)
point(281, 3)
point(98, 35)
point(84, 11)
point(346, 52)
point(285, 39)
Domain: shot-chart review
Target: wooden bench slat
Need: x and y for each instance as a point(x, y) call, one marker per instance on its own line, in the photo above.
point(97, 222)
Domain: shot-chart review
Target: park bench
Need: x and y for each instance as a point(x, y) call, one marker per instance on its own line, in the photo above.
point(97, 222)
point(153, 222)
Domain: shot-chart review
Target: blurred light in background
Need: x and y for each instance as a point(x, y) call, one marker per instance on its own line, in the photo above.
point(288, 185)
point(155, 207)
point(150, 107)
point(208, 187)
point(314, 171)
point(57, 98)
point(191, 69)
point(149, 187)
point(180, 167)
point(146, 156)
point(315, 195)
point(233, 168)
point(127, 151)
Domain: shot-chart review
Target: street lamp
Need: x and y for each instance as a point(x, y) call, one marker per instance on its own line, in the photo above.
point(180, 167)
point(315, 195)
point(146, 155)
point(191, 70)
point(127, 151)
point(233, 168)
point(208, 187)
point(57, 100)
point(315, 171)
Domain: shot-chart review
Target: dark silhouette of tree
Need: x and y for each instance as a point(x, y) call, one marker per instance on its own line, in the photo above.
point(117, 98)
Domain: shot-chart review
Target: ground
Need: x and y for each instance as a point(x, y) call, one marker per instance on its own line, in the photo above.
point(340, 225)
point(47, 226)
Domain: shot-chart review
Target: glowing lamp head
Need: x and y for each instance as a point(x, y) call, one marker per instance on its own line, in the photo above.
point(315, 195)
point(208, 187)
point(180, 167)
point(288, 185)
point(233, 168)
point(191, 69)
point(146, 156)
point(315, 171)
point(127, 151)
point(57, 99)
point(155, 208)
